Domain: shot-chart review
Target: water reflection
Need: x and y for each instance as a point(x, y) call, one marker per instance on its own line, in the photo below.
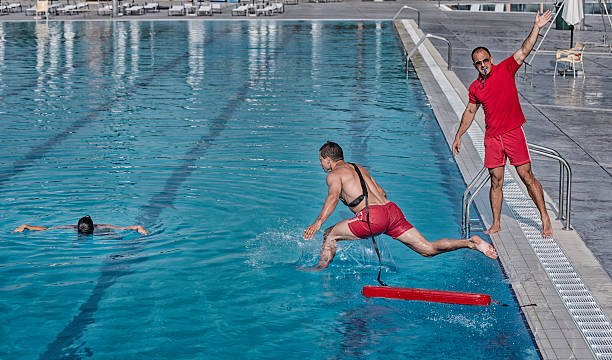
point(134, 47)
point(262, 38)
point(69, 36)
point(316, 34)
point(196, 35)
point(2, 68)
point(120, 35)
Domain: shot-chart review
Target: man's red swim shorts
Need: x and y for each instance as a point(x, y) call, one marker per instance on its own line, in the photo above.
point(387, 219)
point(511, 144)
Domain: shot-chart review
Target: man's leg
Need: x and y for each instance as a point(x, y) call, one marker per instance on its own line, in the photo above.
point(537, 195)
point(331, 236)
point(417, 242)
point(496, 196)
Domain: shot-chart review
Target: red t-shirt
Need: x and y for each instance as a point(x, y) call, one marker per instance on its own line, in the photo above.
point(499, 98)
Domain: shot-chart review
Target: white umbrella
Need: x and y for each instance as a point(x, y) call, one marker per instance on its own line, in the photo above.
point(572, 14)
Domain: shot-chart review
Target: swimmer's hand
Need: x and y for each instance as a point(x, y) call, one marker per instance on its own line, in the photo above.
point(142, 230)
point(311, 230)
point(21, 228)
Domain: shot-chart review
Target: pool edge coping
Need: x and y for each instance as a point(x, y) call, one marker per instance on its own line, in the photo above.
point(551, 325)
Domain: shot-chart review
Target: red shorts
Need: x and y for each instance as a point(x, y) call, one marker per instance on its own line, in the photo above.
point(511, 144)
point(387, 219)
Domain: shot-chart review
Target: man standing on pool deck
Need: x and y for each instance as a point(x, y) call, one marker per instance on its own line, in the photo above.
point(495, 89)
point(347, 181)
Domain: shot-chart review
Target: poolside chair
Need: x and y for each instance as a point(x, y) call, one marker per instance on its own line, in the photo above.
point(176, 10)
point(80, 7)
point(216, 8)
point(151, 7)
point(205, 9)
point(31, 11)
point(190, 9)
point(66, 9)
point(571, 57)
point(280, 7)
point(105, 10)
point(266, 10)
point(12, 7)
point(135, 10)
point(241, 10)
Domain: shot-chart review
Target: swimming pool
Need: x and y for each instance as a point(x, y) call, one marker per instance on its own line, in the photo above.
point(207, 134)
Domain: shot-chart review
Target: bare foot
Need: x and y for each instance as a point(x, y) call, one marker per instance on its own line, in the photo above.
point(493, 229)
point(483, 246)
point(547, 231)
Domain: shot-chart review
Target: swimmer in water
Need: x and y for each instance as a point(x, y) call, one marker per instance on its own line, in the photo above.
point(374, 213)
point(84, 226)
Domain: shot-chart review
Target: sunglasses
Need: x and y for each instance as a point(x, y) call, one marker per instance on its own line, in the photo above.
point(482, 62)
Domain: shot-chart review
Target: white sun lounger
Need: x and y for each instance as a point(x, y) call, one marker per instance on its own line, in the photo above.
point(205, 9)
point(12, 7)
point(241, 10)
point(105, 10)
point(151, 7)
point(135, 10)
point(176, 10)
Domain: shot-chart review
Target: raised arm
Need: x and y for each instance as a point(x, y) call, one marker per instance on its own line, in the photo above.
point(541, 19)
point(334, 185)
point(138, 228)
point(466, 120)
point(23, 227)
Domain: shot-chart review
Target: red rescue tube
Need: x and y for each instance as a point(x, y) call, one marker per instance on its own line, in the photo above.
point(448, 297)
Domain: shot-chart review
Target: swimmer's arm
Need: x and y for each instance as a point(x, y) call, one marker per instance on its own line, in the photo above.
point(334, 185)
point(138, 228)
point(23, 227)
point(466, 120)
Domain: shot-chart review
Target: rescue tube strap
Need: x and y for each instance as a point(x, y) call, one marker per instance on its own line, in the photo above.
point(364, 189)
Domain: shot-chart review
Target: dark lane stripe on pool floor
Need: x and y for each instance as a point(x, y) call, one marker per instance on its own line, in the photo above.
point(39, 151)
point(63, 347)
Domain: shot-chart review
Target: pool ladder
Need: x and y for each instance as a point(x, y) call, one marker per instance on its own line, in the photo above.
point(565, 191)
point(421, 40)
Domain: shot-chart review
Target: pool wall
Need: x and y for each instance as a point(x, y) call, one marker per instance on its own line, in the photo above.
point(552, 326)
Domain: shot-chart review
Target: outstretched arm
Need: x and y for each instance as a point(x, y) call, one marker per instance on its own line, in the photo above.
point(23, 227)
point(334, 185)
point(138, 228)
point(541, 19)
point(466, 120)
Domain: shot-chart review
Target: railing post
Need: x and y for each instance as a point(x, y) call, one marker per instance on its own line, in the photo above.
point(416, 46)
point(411, 8)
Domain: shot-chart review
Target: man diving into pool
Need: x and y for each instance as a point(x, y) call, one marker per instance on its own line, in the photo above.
point(374, 213)
point(85, 225)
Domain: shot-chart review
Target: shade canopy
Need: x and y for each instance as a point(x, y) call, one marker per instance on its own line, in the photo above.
point(572, 12)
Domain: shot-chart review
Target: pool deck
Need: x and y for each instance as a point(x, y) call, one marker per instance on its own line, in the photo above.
point(571, 115)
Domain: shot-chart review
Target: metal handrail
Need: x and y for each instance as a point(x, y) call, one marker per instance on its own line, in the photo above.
point(421, 40)
point(411, 8)
point(479, 182)
point(565, 182)
point(565, 189)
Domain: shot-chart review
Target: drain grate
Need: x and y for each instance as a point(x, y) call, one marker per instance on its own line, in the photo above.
point(582, 306)
point(586, 313)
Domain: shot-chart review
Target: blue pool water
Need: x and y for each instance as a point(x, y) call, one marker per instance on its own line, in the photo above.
point(207, 134)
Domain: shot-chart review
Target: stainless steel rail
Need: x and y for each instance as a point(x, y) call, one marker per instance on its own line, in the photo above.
point(565, 189)
point(421, 40)
point(411, 8)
